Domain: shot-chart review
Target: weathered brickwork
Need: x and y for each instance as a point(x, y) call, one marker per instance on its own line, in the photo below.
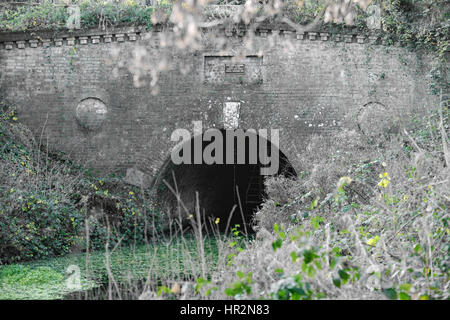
point(301, 83)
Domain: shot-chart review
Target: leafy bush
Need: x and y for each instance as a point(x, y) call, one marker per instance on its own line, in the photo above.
point(93, 14)
point(377, 227)
point(46, 201)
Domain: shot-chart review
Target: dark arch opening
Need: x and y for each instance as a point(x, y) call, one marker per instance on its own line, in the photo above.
point(220, 186)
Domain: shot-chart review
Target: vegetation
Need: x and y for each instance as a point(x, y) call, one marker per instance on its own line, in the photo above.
point(93, 14)
point(152, 264)
point(47, 203)
point(369, 224)
point(363, 227)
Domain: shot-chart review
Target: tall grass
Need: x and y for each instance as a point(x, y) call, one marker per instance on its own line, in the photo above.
point(371, 224)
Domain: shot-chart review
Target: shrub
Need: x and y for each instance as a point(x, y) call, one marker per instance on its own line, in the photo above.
point(376, 228)
point(93, 14)
point(46, 201)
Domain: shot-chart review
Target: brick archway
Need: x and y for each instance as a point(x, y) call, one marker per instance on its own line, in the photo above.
point(220, 186)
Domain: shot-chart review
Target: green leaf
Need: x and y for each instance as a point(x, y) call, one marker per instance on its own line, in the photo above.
point(333, 262)
point(208, 292)
point(337, 282)
point(277, 244)
point(279, 270)
point(343, 275)
point(309, 256)
point(390, 293)
point(404, 296)
point(294, 256)
point(276, 228)
point(314, 203)
point(311, 271)
point(417, 248)
point(373, 241)
point(318, 264)
point(229, 292)
point(300, 291)
point(405, 287)
point(315, 222)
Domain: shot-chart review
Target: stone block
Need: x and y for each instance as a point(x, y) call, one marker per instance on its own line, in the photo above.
point(95, 39)
point(137, 178)
point(312, 35)
point(83, 40)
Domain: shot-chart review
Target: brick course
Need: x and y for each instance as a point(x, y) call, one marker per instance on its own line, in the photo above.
point(310, 83)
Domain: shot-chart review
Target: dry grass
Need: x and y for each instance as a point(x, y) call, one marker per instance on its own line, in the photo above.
point(371, 224)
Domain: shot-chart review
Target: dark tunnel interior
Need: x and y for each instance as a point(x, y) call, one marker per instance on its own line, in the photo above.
point(220, 187)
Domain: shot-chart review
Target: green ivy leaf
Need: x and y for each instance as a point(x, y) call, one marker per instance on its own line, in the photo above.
point(294, 256)
point(337, 282)
point(277, 244)
point(279, 270)
point(343, 275)
point(404, 296)
point(333, 262)
point(390, 293)
point(276, 227)
point(405, 287)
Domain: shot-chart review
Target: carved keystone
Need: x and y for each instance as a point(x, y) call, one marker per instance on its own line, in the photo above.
point(120, 37)
point(312, 35)
point(95, 39)
point(287, 33)
point(373, 39)
point(324, 36)
point(33, 43)
point(83, 40)
point(21, 44)
point(300, 35)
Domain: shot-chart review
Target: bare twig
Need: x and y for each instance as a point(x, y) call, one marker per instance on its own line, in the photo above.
point(444, 134)
point(242, 212)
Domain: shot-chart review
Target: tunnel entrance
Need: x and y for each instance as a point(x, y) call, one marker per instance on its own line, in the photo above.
point(220, 186)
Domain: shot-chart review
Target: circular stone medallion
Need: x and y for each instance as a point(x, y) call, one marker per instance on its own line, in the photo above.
point(91, 113)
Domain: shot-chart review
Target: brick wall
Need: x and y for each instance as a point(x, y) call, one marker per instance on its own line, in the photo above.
point(300, 83)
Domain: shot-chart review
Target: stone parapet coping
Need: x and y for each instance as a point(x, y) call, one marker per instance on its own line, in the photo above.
point(35, 39)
